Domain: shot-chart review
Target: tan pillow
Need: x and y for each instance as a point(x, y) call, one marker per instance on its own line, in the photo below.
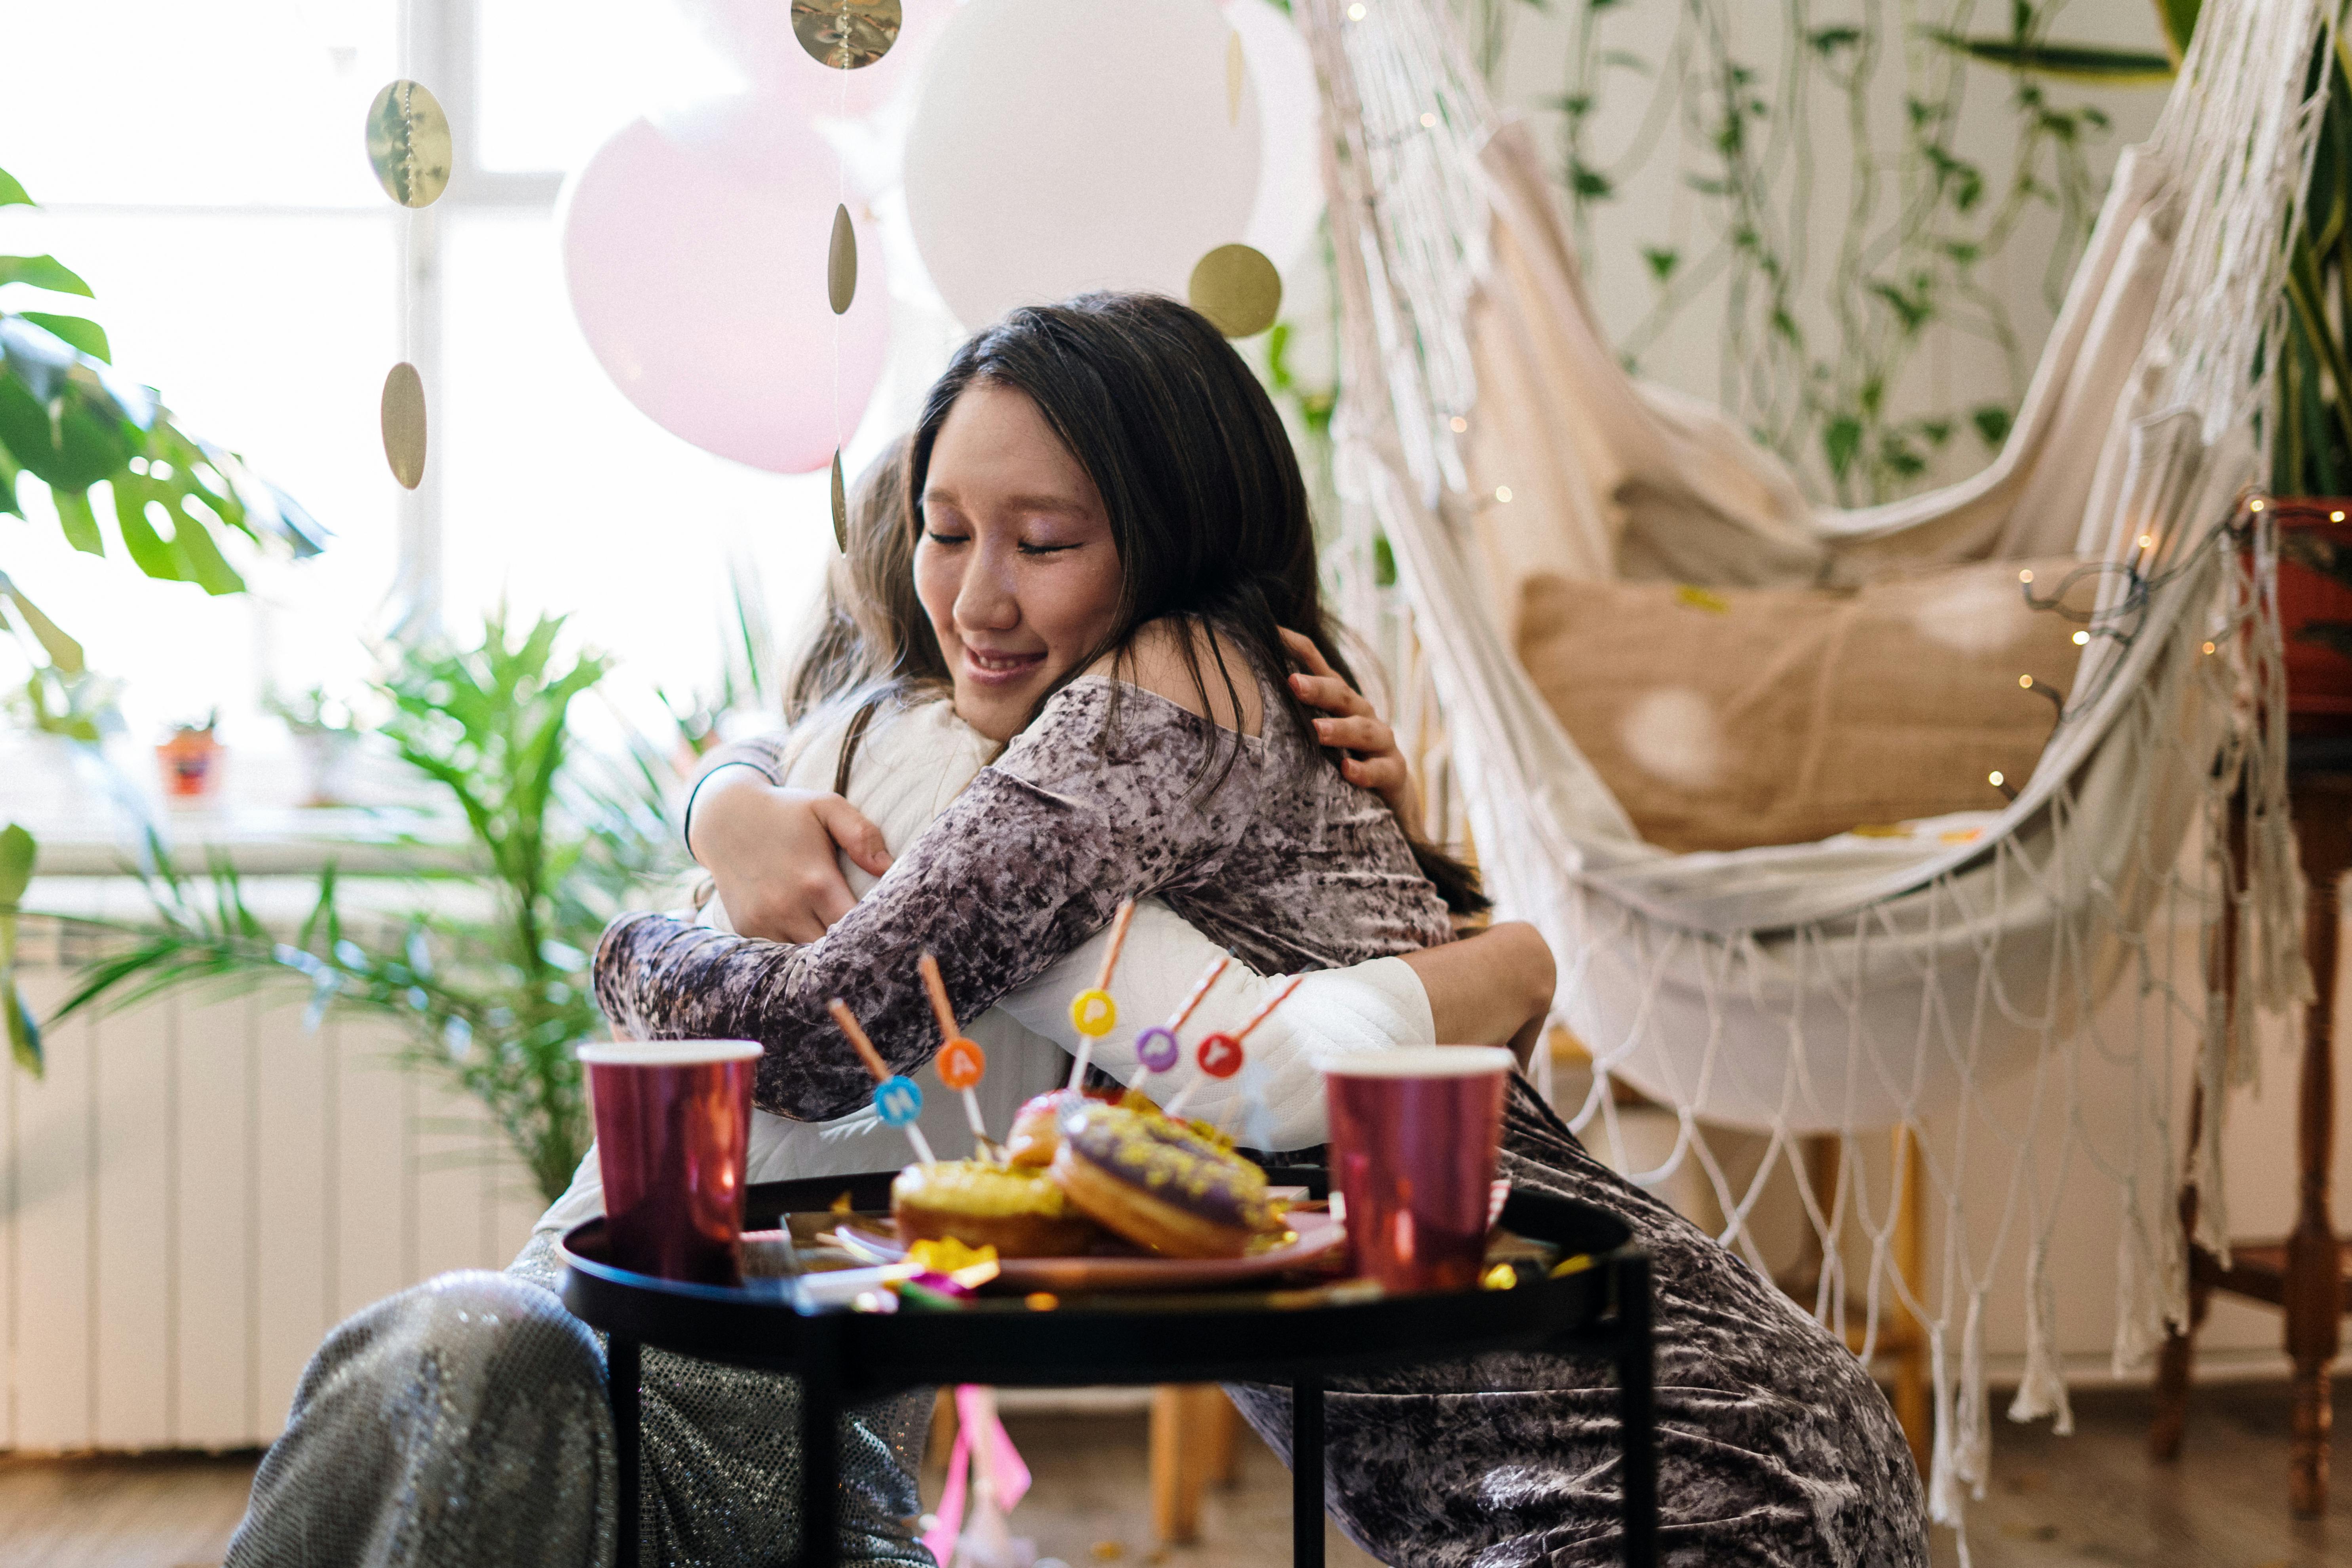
point(1726, 718)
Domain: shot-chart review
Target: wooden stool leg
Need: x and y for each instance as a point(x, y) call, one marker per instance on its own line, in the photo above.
point(1218, 1422)
point(1176, 1471)
point(2170, 1422)
point(1912, 1406)
point(2314, 1287)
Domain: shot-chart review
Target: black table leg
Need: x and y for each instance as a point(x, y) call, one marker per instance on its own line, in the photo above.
point(1306, 1472)
point(1637, 1411)
point(820, 1448)
point(621, 1381)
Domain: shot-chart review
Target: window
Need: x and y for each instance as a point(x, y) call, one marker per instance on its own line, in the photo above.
point(201, 166)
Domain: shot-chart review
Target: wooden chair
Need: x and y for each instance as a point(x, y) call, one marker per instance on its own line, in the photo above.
point(2304, 1275)
point(1194, 1427)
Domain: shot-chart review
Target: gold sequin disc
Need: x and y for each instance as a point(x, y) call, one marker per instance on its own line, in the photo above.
point(408, 144)
point(840, 506)
point(401, 414)
point(846, 34)
point(1237, 289)
point(841, 263)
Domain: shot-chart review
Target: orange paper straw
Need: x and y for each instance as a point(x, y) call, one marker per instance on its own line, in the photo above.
point(1118, 939)
point(850, 1026)
point(1217, 966)
point(940, 1007)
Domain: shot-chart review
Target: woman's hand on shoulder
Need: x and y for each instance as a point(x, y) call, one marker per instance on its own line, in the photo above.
point(1155, 660)
point(771, 851)
point(1356, 727)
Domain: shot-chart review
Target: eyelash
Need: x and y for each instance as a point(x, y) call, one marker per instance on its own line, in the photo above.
point(938, 538)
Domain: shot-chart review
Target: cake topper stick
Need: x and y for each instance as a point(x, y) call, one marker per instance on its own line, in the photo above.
point(1157, 1048)
point(1220, 1056)
point(961, 1061)
point(1093, 1012)
point(897, 1099)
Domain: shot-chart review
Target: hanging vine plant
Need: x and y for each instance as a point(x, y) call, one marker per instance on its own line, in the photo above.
point(1819, 347)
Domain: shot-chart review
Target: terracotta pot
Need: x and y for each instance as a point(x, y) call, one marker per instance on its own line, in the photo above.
point(2318, 678)
point(191, 763)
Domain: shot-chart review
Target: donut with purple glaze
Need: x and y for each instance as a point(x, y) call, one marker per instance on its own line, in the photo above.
point(1159, 1184)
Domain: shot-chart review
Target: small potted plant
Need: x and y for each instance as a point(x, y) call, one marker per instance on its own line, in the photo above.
point(190, 760)
point(326, 733)
point(67, 717)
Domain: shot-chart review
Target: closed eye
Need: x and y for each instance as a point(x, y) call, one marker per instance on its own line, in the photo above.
point(1046, 548)
point(935, 537)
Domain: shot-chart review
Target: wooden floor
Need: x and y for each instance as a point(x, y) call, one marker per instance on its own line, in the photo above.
point(2093, 1499)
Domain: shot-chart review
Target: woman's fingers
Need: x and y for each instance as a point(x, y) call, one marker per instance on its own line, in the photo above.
point(1330, 693)
point(1302, 649)
point(773, 853)
point(859, 838)
point(1384, 775)
point(1361, 733)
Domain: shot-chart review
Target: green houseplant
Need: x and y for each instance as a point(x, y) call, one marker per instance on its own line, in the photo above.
point(2311, 430)
point(71, 421)
point(492, 1003)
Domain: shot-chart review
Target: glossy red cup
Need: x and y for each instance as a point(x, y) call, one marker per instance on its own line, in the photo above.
point(1414, 1134)
point(673, 1133)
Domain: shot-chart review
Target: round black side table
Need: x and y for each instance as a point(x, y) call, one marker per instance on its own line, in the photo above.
point(1298, 1339)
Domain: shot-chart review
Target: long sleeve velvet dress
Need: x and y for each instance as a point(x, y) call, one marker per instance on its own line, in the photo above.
point(1776, 1447)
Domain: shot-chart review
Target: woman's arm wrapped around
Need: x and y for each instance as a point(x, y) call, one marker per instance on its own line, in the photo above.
point(1077, 815)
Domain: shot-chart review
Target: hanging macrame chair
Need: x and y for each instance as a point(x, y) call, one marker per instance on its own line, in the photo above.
point(1890, 979)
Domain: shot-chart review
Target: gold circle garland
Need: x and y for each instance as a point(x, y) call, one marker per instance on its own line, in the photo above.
point(846, 34)
point(840, 506)
point(1237, 289)
point(841, 263)
point(401, 413)
point(408, 144)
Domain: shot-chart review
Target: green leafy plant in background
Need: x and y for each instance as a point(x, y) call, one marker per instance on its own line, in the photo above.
point(493, 1003)
point(2311, 436)
point(17, 853)
point(71, 421)
point(1820, 347)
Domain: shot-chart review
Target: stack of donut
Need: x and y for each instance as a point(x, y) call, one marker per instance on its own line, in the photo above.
point(1079, 1163)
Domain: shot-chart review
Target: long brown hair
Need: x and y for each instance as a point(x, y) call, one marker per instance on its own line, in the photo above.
point(1207, 507)
point(871, 635)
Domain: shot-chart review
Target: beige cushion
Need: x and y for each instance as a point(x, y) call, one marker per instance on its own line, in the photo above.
point(1728, 718)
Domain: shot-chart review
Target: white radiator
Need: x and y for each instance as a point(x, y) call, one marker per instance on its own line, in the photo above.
point(196, 1192)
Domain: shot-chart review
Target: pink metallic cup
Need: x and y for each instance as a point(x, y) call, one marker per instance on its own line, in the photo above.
point(1414, 1138)
point(673, 1131)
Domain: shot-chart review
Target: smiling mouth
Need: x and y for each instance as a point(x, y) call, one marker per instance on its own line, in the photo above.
point(1000, 668)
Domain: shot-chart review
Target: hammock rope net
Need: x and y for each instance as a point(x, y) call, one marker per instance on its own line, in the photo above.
point(1970, 978)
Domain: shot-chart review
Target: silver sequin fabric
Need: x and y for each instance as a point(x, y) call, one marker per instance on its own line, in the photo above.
point(465, 1422)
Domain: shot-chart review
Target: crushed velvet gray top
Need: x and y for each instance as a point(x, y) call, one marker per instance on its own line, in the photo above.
point(1101, 799)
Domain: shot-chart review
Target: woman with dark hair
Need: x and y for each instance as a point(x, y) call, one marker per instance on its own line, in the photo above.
point(1113, 535)
point(464, 1420)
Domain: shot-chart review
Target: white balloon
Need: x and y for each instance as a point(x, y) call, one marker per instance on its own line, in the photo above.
point(1063, 145)
point(1290, 176)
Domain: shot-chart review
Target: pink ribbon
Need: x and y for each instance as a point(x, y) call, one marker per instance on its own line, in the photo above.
point(999, 1461)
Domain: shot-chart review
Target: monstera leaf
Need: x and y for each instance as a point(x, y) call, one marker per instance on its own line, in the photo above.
point(69, 419)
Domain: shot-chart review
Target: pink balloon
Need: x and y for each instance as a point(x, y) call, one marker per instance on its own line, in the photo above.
point(697, 272)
